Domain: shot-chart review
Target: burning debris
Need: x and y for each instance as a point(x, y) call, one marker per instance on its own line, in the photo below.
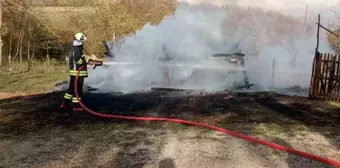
point(237, 58)
point(188, 52)
point(234, 63)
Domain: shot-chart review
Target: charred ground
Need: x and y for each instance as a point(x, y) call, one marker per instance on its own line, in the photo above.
point(288, 120)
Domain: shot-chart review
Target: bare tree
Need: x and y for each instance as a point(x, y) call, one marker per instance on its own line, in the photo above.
point(1, 2)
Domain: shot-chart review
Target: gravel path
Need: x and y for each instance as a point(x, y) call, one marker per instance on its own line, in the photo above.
point(220, 151)
point(141, 147)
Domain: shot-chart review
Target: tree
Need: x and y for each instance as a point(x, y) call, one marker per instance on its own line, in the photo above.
point(1, 2)
point(335, 40)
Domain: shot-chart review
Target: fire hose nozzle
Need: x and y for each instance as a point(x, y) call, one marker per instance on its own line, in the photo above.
point(95, 63)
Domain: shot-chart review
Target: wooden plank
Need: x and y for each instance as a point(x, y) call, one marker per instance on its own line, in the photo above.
point(317, 76)
point(334, 74)
point(315, 89)
point(314, 79)
point(330, 75)
point(311, 85)
point(332, 79)
point(327, 76)
point(322, 78)
point(329, 61)
point(337, 78)
point(318, 82)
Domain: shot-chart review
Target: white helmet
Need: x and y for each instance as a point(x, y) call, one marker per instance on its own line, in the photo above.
point(79, 39)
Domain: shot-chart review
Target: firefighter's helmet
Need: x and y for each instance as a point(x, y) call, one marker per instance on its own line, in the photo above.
point(80, 37)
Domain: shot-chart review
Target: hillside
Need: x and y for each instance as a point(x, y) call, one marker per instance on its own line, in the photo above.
point(102, 23)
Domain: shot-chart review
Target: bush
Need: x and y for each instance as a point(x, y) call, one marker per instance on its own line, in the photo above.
point(335, 41)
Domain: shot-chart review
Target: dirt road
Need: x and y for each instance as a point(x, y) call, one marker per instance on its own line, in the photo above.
point(140, 147)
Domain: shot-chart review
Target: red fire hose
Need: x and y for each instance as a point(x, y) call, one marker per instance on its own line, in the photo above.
point(222, 130)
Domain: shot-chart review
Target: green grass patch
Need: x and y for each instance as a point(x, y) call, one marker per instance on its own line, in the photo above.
point(41, 77)
point(271, 130)
point(176, 127)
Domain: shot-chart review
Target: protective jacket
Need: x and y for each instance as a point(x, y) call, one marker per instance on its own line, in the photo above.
point(76, 60)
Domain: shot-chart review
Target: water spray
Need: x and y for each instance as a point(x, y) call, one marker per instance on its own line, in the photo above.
point(174, 65)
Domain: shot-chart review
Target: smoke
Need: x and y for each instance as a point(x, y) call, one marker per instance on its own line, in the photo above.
point(192, 35)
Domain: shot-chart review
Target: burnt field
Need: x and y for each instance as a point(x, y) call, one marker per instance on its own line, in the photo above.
point(292, 121)
point(225, 107)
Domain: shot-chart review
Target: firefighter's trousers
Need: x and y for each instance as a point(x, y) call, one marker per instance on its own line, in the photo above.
point(70, 97)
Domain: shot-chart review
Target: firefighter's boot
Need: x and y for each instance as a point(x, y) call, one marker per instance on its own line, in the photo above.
point(76, 106)
point(66, 104)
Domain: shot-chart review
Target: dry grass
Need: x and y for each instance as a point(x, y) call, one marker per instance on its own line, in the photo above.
point(104, 21)
point(335, 41)
point(39, 79)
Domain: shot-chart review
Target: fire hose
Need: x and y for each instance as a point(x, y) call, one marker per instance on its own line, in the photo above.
point(198, 124)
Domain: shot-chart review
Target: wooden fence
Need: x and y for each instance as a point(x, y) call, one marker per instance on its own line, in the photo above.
point(325, 80)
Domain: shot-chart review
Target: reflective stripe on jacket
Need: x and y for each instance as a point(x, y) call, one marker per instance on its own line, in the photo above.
point(78, 59)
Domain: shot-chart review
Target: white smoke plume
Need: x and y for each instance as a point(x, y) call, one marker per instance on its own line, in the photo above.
point(193, 34)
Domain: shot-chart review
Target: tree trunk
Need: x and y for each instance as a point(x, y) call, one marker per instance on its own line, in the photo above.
point(29, 46)
point(18, 48)
point(47, 55)
point(10, 53)
point(1, 2)
point(29, 65)
point(28, 56)
point(22, 38)
point(33, 52)
point(21, 48)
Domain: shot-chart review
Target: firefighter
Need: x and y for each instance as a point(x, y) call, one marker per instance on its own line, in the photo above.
point(76, 60)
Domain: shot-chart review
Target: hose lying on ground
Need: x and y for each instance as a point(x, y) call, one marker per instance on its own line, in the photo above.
point(222, 130)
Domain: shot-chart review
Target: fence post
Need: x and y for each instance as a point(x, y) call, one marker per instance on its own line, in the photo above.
point(273, 73)
point(317, 76)
point(313, 88)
